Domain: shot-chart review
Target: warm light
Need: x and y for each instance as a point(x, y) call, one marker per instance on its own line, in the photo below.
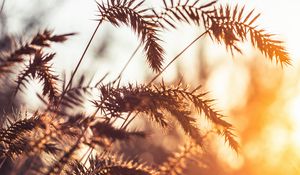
point(294, 110)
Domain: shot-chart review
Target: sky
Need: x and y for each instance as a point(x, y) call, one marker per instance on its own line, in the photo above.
point(278, 16)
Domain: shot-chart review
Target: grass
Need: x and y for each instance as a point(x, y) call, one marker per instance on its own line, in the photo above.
point(58, 131)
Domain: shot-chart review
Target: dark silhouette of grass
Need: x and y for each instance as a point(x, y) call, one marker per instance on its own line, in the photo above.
point(60, 134)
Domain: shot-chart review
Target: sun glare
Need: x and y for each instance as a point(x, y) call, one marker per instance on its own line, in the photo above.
point(294, 113)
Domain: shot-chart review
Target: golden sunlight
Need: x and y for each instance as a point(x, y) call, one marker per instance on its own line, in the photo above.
point(294, 111)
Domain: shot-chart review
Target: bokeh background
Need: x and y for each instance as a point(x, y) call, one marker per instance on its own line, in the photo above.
point(260, 98)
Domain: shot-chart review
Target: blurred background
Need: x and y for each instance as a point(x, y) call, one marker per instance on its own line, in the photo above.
point(261, 98)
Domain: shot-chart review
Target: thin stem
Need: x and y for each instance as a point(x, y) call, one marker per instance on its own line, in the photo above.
point(126, 65)
point(89, 153)
point(127, 117)
point(85, 154)
point(124, 124)
point(133, 117)
point(175, 58)
point(81, 58)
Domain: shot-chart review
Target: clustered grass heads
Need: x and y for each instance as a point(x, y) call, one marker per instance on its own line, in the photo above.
point(129, 12)
point(189, 11)
point(14, 139)
point(33, 135)
point(116, 101)
point(64, 137)
point(104, 134)
point(39, 41)
point(32, 55)
point(203, 105)
point(59, 165)
point(232, 25)
point(108, 164)
point(224, 24)
point(17, 140)
point(177, 162)
point(160, 101)
point(59, 138)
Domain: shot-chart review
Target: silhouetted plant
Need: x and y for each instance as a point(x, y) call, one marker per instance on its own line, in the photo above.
point(62, 135)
